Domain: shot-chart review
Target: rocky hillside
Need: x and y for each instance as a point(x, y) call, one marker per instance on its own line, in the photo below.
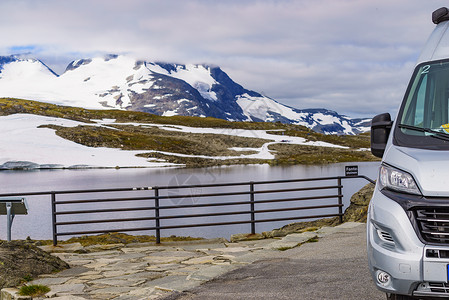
point(41, 135)
point(121, 82)
point(22, 261)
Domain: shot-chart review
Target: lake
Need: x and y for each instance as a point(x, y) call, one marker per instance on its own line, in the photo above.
point(37, 224)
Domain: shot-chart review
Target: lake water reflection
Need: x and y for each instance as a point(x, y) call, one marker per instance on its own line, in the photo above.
point(37, 224)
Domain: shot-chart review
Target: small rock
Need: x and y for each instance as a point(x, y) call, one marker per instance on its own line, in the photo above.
point(200, 260)
point(97, 248)
point(63, 248)
point(11, 294)
point(246, 237)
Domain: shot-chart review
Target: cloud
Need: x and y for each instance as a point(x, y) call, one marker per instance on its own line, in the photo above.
point(352, 56)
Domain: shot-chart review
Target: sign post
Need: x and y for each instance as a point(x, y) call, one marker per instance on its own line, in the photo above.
point(12, 207)
point(351, 170)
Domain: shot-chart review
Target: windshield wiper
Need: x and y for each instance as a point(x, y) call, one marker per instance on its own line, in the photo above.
point(433, 133)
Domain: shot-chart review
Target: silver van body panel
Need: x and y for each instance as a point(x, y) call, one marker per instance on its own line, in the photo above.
point(401, 259)
point(404, 258)
point(429, 168)
point(437, 46)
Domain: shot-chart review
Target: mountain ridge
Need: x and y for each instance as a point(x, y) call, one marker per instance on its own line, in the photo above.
point(165, 89)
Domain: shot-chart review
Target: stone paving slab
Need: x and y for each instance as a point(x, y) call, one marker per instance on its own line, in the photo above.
point(149, 271)
point(329, 230)
point(292, 240)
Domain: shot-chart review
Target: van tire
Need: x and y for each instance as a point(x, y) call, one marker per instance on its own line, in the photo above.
point(399, 297)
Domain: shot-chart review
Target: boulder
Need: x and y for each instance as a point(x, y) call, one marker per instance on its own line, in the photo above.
point(358, 208)
point(21, 261)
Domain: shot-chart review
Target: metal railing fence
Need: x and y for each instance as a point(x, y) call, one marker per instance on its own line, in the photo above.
point(151, 204)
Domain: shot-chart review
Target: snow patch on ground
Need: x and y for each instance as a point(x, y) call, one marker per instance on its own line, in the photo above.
point(23, 144)
point(262, 134)
point(22, 141)
point(262, 152)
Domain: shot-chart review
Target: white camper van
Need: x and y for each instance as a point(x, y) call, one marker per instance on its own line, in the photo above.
point(408, 217)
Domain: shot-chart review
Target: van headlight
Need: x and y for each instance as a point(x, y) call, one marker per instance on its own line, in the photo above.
point(397, 180)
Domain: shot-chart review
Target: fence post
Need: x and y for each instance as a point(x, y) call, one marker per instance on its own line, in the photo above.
point(156, 213)
point(9, 218)
point(251, 199)
point(340, 200)
point(53, 218)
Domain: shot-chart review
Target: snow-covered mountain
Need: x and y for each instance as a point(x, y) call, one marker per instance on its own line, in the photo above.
point(158, 88)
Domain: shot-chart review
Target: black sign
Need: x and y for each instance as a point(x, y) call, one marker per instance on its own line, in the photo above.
point(351, 170)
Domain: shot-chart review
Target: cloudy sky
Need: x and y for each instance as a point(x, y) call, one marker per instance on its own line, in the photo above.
point(351, 56)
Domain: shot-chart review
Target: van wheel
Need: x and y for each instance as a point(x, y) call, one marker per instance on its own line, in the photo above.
point(398, 297)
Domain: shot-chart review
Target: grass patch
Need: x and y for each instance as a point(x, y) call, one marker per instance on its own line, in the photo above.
point(116, 238)
point(284, 248)
point(34, 290)
point(310, 229)
point(198, 162)
point(28, 278)
point(123, 238)
point(312, 240)
point(288, 154)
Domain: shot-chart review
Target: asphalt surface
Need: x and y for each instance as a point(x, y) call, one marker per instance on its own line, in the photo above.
point(335, 267)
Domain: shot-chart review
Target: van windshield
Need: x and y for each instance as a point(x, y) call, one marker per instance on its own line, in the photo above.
point(423, 120)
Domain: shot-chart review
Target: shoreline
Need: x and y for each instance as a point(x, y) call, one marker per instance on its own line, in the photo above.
point(37, 167)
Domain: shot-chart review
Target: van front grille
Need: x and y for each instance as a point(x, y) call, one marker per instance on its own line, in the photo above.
point(434, 224)
point(432, 289)
point(438, 287)
point(385, 236)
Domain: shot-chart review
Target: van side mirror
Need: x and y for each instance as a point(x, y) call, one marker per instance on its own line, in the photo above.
point(380, 130)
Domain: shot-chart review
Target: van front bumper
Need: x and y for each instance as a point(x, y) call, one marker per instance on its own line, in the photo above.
point(413, 267)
